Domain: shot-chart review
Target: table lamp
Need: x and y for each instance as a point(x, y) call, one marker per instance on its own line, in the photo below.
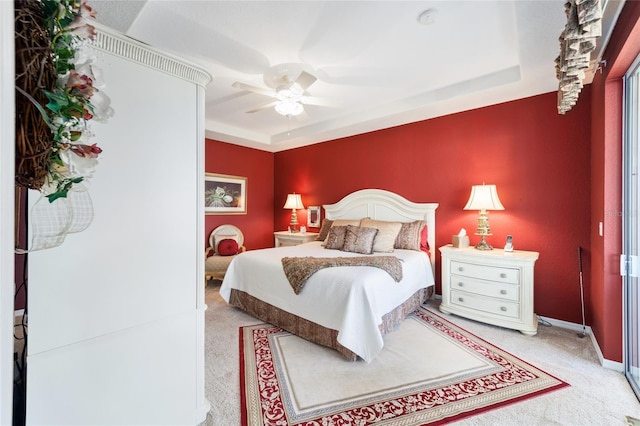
point(294, 201)
point(483, 197)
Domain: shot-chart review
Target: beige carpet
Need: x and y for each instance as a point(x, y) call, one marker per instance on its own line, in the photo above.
point(597, 396)
point(430, 370)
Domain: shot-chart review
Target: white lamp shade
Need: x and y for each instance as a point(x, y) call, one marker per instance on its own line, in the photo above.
point(484, 197)
point(294, 201)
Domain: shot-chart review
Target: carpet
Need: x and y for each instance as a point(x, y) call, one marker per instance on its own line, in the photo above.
point(429, 372)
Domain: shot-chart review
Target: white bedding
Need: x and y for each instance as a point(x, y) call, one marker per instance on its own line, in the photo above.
point(350, 299)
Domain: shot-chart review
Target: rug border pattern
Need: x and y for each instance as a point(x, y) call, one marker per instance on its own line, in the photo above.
point(263, 404)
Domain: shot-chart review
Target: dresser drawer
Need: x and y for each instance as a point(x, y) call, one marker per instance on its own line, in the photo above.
point(486, 272)
point(497, 307)
point(498, 290)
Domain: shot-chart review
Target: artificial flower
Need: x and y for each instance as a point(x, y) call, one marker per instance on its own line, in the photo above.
point(82, 84)
point(75, 100)
point(81, 150)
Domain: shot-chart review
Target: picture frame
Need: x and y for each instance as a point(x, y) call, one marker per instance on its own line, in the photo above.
point(225, 194)
point(313, 216)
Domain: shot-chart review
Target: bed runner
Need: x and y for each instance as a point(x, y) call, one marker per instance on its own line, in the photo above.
point(299, 269)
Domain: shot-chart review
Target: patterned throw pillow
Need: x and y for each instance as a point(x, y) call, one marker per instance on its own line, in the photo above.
point(359, 239)
point(387, 233)
point(409, 237)
point(342, 222)
point(228, 247)
point(324, 230)
point(335, 238)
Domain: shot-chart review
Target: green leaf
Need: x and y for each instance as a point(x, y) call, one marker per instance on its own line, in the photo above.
point(63, 189)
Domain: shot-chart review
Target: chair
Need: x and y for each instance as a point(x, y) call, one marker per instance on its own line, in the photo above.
point(216, 264)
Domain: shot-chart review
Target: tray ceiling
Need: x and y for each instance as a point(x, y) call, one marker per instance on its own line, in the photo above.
point(378, 63)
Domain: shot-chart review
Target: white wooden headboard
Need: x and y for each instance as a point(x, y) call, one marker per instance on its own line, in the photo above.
point(385, 205)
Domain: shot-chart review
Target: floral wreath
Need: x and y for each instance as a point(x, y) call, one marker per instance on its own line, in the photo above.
point(72, 100)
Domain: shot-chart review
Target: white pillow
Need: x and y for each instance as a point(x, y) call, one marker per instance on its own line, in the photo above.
point(219, 237)
point(387, 233)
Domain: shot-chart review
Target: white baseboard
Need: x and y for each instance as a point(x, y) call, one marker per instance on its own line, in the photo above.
point(19, 313)
point(606, 363)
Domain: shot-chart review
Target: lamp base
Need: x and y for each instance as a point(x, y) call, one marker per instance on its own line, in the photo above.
point(293, 224)
point(483, 245)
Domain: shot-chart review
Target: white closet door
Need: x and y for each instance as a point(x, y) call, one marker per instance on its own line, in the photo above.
point(115, 326)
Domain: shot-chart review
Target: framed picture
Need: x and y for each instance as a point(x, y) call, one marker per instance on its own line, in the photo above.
point(313, 216)
point(225, 194)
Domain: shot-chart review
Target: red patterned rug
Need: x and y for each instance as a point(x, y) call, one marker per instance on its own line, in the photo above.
point(429, 372)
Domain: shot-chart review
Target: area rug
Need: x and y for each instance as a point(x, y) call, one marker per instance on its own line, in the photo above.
point(429, 372)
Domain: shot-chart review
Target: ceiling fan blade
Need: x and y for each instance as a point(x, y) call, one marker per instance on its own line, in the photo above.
point(305, 80)
point(312, 100)
point(248, 88)
point(263, 107)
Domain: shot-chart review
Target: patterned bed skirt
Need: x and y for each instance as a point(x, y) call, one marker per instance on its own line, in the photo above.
point(317, 333)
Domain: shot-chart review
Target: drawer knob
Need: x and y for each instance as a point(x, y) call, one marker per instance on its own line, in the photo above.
point(460, 268)
point(503, 275)
point(460, 284)
point(503, 291)
point(503, 309)
point(460, 299)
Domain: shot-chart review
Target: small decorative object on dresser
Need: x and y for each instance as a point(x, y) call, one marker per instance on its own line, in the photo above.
point(286, 238)
point(493, 286)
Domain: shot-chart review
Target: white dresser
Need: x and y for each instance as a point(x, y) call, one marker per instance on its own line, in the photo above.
point(492, 286)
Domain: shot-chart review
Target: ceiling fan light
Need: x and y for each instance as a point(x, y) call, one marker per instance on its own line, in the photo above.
point(289, 108)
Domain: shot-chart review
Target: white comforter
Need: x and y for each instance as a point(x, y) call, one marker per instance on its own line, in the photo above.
point(350, 299)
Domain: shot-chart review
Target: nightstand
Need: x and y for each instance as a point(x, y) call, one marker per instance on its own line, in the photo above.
point(492, 286)
point(286, 238)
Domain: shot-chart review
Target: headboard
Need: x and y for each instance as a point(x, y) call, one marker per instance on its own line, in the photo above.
point(385, 205)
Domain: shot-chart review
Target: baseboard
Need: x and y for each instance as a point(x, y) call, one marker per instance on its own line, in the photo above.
point(606, 363)
point(18, 313)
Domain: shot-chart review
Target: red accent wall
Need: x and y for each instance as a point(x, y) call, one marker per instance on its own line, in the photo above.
point(606, 175)
point(558, 176)
point(539, 160)
point(257, 166)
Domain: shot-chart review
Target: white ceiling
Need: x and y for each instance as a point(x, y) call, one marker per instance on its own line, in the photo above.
point(376, 64)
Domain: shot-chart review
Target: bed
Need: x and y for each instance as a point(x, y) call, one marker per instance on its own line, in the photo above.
point(347, 308)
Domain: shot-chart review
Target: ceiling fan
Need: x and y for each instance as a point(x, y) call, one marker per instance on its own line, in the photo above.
point(289, 84)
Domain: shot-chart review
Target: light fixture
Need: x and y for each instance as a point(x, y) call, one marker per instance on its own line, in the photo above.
point(289, 108)
point(294, 201)
point(483, 197)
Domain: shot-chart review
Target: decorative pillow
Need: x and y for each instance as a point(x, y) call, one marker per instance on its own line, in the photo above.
point(346, 222)
point(424, 243)
point(387, 233)
point(219, 237)
point(343, 222)
point(359, 239)
point(409, 237)
point(228, 247)
point(335, 238)
point(324, 230)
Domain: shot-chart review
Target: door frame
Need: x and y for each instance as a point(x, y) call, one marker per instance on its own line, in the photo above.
point(631, 224)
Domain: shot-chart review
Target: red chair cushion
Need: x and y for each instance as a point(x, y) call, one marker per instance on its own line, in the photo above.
point(228, 247)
